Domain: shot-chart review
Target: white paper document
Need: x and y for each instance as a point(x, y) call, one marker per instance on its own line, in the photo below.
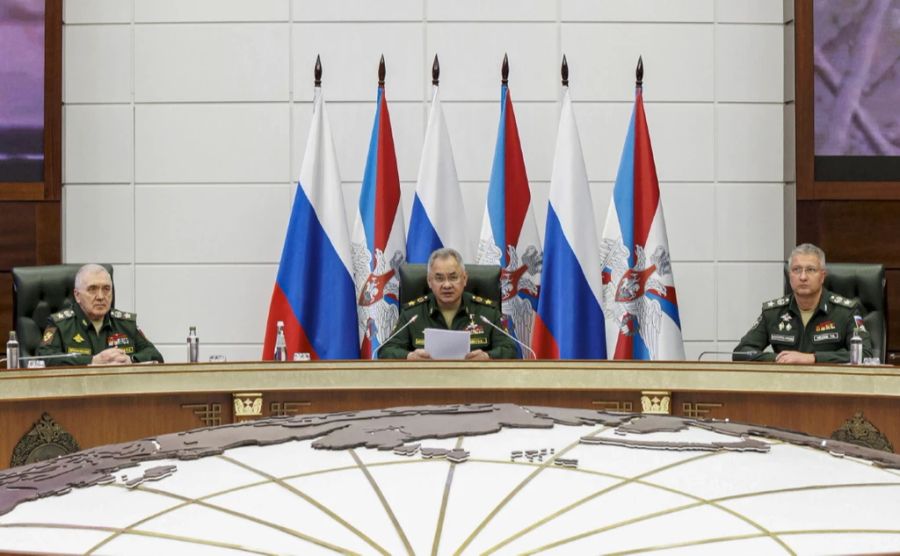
point(446, 344)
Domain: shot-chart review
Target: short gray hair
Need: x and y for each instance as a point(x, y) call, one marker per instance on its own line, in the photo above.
point(89, 268)
point(808, 249)
point(446, 253)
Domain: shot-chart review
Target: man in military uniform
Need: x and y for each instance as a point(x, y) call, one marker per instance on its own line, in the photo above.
point(811, 325)
point(91, 332)
point(450, 308)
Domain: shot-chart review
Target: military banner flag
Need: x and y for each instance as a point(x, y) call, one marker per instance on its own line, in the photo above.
point(640, 304)
point(378, 246)
point(569, 323)
point(314, 294)
point(509, 235)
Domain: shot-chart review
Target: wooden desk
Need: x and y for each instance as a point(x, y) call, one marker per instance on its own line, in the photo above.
point(102, 405)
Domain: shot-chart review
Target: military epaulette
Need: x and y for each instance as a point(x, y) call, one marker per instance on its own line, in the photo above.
point(62, 315)
point(417, 301)
point(482, 300)
point(780, 302)
point(841, 300)
point(122, 315)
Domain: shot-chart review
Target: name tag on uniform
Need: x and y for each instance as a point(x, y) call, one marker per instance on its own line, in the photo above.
point(782, 338)
point(825, 337)
point(80, 351)
point(476, 341)
point(419, 342)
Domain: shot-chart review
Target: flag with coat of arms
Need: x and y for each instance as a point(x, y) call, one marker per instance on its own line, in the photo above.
point(509, 234)
point(640, 303)
point(378, 246)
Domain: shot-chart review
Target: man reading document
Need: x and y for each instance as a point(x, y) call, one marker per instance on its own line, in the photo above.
point(448, 307)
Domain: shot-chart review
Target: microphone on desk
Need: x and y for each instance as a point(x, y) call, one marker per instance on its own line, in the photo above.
point(510, 336)
point(751, 355)
point(411, 320)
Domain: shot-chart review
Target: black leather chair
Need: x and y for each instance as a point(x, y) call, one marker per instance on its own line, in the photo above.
point(863, 282)
point(38, 292)
point(484, 280)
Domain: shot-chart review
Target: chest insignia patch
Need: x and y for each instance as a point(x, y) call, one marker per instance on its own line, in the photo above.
point(78, 338)
point(782, 338)
point(472, 327)
point(824, 326)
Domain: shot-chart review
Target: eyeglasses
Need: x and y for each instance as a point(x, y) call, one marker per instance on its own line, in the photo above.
point(451, 278)
point(809, 270)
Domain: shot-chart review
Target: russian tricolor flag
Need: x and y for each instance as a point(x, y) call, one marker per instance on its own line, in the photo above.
point(569, 322)
point(638, 285)
point(313, 292)
point(378, 247)
point(438, 218)
point(509, 235)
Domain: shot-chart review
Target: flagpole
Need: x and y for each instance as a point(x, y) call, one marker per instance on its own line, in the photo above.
point(564, 71)
point(504, 70)
point(435, 71)
point(639, 73)
point(317, 72)
point(381, 72)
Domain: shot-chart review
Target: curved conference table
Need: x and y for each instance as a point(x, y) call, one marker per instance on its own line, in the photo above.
point(49, 411)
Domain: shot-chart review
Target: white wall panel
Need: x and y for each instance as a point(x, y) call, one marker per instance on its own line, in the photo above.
point(211, 224)
point(695, 286)
point(123, 282)
point(741, 290)
point(602, 57)
point(210, 10)
point(474, 195)
point(352, 124)
point(227, 303)
point(357, 10)
point(99, 223)
point(473, 134)
point(97, 63)
point(637, 10)
point(96, 11)
point(749, 221)
point(750, 11)
point(749, 63)
point(471, 56)
point(750, 142)
point(212, 143)
point(350, 53)
point(211, 62)
point(693, 351)
point(690, 212)
point(495, 10)
point(98, 144)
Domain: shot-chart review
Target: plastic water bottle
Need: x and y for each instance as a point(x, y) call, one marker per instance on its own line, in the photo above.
point(856, 348)
point(280, 343)
point(12, 351)
point(193, 345)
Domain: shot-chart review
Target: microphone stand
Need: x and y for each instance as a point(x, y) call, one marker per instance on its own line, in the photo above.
point(487, 321)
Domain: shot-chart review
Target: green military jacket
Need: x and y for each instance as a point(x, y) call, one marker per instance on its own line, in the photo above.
point(827, 334)
point(70, 331)
point(468, 317)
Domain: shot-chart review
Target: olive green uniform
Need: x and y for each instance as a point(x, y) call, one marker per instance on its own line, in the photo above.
point(826, 335)
point(70, 331)
point(468, 317)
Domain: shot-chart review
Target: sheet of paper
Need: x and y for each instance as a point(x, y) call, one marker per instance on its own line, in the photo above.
point(446, 344)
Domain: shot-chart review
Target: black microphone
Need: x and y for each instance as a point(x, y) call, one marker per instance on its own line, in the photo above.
point(508, 335)
point(391, 337)
point(750, 355)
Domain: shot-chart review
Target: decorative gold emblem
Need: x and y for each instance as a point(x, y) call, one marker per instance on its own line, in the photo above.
point(860, 431)
point(247, 405)
point(656, 402)
point(45, 440)
point(48, 334)
point(78, 338)
point(210, 414)
point(611, 405)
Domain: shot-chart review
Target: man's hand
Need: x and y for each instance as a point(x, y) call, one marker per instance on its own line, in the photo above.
point(419, 354)
point(795, 357)
point(477, 355)
point(111, 356)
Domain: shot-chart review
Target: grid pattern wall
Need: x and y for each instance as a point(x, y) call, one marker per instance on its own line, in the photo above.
point(185, 122)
